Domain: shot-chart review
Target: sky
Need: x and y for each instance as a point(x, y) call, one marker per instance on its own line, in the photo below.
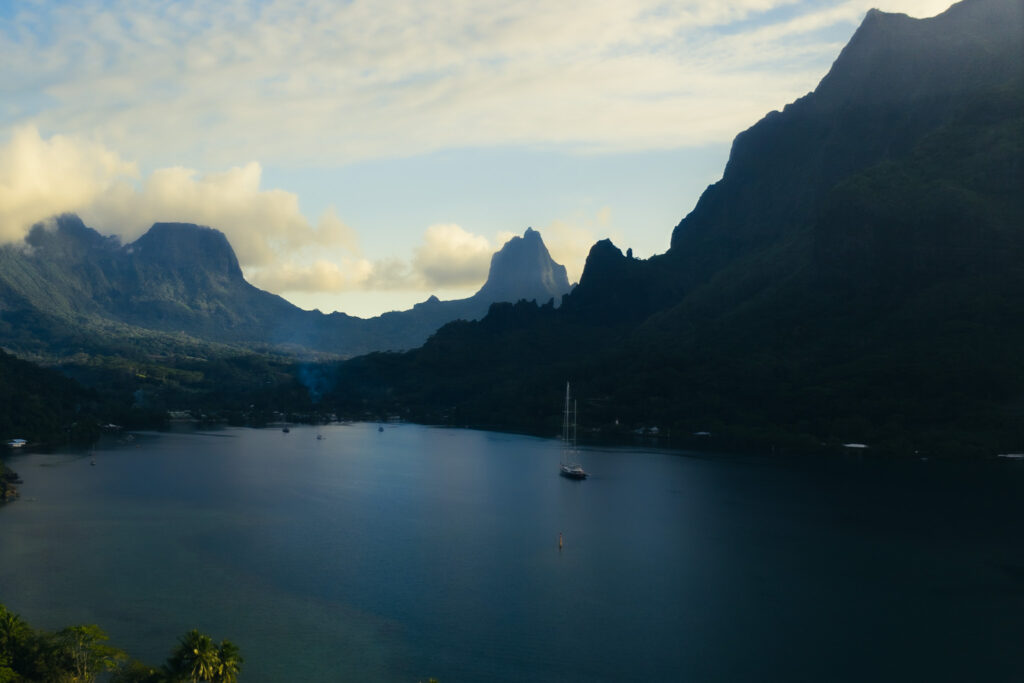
point(361, 156)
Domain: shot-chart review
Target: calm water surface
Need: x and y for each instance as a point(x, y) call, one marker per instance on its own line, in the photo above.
point(422, 552)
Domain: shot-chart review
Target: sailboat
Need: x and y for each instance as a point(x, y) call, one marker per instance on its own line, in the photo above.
point(570, 466)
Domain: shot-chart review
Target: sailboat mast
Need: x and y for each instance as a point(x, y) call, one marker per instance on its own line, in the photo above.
point(565, 417)
point(575, 408)
point(570, 466)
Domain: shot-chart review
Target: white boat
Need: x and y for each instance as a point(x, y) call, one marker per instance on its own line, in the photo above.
point(570, 466)
point(17, 443)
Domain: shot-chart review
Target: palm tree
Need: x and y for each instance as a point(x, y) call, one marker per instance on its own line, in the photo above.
point(13, 634)
point(230, 662)
point(12, 627)
point(85, 651)
point(196, 658)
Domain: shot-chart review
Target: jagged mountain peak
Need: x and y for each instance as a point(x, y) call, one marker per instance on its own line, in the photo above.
point(896, 79)
point(523, 269)
point(896, 58)
point(66, 235)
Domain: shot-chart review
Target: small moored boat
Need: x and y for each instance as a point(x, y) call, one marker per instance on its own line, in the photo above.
point(570, 467)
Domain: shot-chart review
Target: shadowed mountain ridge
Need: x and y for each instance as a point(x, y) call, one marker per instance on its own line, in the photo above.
point(854, 276)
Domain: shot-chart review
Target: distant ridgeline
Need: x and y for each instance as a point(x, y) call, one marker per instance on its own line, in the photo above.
point(181, 284)
point(856, 276)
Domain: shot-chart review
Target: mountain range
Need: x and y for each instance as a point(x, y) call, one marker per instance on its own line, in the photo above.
point(184, 282)
point(855, 276)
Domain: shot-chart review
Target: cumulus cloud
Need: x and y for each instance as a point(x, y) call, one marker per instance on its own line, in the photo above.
point(262, 224)
point(449, 257)
point(40, 178)
point(278, 248)
point(452, 257)
point(311, 80)
point(272, 238)
point(257, 222)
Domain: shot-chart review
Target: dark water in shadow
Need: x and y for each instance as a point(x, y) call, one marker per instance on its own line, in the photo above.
point(422, 552)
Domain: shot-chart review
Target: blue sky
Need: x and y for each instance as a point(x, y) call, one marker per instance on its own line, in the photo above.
point(361, 156)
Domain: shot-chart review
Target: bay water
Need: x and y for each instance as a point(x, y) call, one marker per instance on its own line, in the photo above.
point(418, 552)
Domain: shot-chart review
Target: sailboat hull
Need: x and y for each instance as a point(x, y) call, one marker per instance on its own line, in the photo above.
point(572, 472)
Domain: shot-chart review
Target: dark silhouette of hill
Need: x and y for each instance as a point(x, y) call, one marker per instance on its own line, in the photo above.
point(854, 277)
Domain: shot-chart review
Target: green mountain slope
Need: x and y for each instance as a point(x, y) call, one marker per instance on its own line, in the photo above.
point(184, 281)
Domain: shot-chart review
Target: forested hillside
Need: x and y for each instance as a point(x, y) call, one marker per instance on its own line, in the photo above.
point(37, 404)
point(854, 277)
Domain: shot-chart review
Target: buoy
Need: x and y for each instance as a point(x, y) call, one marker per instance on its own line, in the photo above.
point(559, 540)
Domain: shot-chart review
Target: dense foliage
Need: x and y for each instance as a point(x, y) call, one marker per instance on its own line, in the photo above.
point(239, 389)
point(38, 404)
point(97, 386)
point(80, 654)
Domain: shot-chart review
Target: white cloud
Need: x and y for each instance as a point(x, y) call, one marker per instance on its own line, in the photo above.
point(276, 245)
point(43, 177)
point(449, 258)
point(278, 248)
point(262, 224)
point(318, 81)
point(452, 257)
point(40, 178)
